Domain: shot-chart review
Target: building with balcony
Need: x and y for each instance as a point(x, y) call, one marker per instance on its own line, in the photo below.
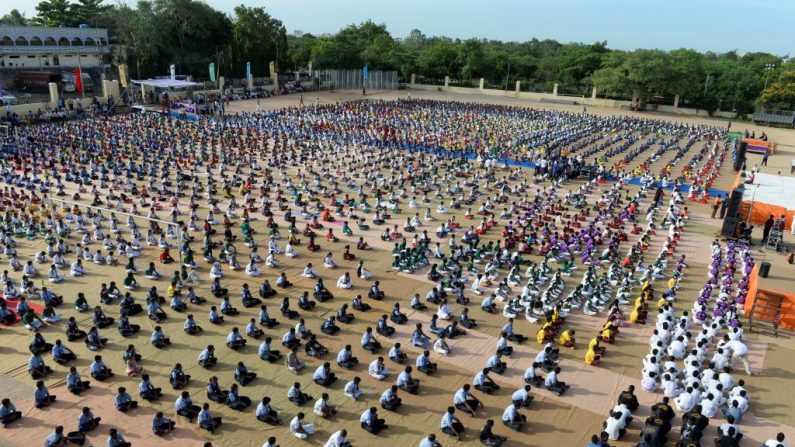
point(48, 48)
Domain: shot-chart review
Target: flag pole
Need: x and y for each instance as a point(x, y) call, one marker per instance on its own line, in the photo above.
point(80, 73)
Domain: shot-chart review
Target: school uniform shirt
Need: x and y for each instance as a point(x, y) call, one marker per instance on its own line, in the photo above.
point(367, 417)
point(422, 361)
point(58, 351)
point(510, 413)
point(264, 349)
point(447, 420)
point(494, 360)
point(552, 379)
point(335, 440)
point(263, 410)
point(320, 373)
point(520, 395)
point(145, 385)
point(85, 418)
point(613, 428)
point(53, 439)
point(7, 410)
point(773, 443)
point(479, 379)
point(343, 356)
point(403, 379)
point(204, 355)
point(232, 337)
point(460, 397)
point(205, 417)
point(121, 399)
point(648, 384)
point(394, 352)
point(115, 441)
point(35, 362)
point(386, 396)
point(41, 394)
point(183, 403)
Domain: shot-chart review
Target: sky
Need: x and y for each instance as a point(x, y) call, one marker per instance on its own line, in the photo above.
point(705, 25)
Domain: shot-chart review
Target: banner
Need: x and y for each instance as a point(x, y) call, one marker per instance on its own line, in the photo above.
point(248, 70)
point(173, 69)
point(78, 80)
point(310, 69)
point(365, 72)
point(212, 72)
point(123, 75)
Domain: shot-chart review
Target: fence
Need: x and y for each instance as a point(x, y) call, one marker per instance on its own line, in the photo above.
point(354, 80)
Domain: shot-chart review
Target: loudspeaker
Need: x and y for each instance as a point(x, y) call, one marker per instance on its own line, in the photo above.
point(735, 200)
point(764, 269)
point(739, 161)
point(729, 228)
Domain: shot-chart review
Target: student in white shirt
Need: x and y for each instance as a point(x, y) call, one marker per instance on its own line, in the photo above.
point(338, 439)
point(299, 429)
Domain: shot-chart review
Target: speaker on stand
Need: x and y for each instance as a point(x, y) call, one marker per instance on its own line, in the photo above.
point(739, 159)
point(733, 218)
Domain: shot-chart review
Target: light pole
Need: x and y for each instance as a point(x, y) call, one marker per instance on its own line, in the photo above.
point(768, 69)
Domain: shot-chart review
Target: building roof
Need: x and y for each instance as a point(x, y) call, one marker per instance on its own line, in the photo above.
point(55, 33)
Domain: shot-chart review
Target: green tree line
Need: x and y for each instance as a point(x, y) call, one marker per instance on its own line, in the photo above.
point(191, 34)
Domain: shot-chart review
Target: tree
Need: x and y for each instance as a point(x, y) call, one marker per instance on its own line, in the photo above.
point(300, 50)
point(688, 78)
point(640, 73)
point(472, 59)
point(439, 59)
point(135, 28)
point(54, 13)
point(14, 18)
point(88, 11)
point(255, 38)
point(780, 94)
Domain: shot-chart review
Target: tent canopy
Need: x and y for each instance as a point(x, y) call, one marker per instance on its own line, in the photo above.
point(165, 83)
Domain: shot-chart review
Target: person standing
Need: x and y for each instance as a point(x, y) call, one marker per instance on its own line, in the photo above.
point(766, 230)
point(715, 205)
point(723, 205)
point(764, 157)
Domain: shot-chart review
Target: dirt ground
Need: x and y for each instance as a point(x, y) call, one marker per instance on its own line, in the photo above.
point(566, 421)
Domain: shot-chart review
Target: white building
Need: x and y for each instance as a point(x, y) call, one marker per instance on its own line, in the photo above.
point(42, 47)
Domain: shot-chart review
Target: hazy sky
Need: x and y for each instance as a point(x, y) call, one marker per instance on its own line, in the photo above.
point(718, 25)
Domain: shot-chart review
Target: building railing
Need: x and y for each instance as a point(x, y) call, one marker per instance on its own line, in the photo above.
point(93, 49)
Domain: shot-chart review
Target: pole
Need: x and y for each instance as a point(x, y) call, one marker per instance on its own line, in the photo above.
point(80, 70)
point(706, 83)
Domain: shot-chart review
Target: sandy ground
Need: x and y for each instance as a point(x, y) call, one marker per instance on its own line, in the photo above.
point(566, 421)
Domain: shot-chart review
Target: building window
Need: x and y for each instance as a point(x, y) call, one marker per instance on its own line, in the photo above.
point(35, 42)
point(76, 42)
point(55, 61)
point(6, 41)
point(50, 42)
point(21, 42)
point(63, 42)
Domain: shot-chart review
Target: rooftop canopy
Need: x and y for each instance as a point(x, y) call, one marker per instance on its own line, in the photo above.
point(165, 83)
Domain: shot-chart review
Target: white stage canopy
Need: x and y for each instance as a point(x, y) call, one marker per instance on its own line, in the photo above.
point(772, 189)
point(165, 83)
